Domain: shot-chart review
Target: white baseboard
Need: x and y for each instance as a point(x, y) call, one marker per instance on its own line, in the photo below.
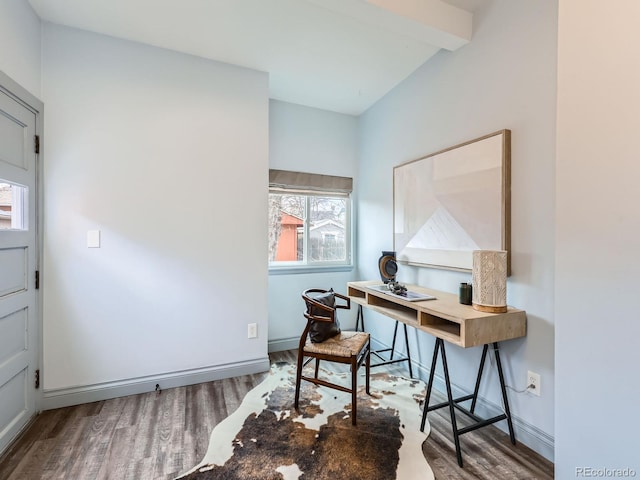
point(526, 433)
point(66, 397)
point(283, 344)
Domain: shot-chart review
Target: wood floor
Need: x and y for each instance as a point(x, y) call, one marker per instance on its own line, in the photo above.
point(159, 436)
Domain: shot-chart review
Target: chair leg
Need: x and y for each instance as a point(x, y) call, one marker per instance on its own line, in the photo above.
point(354, 388)
point(298, 379)
point(317, 366)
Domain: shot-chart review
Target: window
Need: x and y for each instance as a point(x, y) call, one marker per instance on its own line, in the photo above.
point(13, 202)
point(309, 220)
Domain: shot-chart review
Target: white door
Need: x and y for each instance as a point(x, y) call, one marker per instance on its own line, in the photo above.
point(18, 256)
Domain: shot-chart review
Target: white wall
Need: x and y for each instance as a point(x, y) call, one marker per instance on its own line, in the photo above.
point(306, 139)
point(162, 294)
point(505, 78)
point(20, 44)
point(167, 155)
point(597, 229)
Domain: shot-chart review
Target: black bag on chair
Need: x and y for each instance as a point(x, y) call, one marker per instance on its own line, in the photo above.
point(321, 331)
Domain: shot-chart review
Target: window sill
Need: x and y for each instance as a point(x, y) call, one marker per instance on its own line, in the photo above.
point(291, 270)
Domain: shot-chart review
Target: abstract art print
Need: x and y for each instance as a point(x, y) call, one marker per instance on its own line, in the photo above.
point(452, 202)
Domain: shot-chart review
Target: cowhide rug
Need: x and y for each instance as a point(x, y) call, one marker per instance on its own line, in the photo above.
point(266, 439)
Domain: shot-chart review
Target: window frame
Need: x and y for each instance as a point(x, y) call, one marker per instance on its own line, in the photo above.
point(309, 186)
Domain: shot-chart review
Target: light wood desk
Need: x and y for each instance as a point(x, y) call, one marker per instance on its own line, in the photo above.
point(449, 321)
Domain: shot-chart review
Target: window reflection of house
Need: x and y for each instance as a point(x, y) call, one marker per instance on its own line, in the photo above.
point(327, 240)
point(288, 241)
point(5, 206)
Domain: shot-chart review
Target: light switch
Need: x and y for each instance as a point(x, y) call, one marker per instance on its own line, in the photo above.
point(93, 239)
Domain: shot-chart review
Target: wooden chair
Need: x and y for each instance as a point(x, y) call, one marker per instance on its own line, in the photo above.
point(351, 348)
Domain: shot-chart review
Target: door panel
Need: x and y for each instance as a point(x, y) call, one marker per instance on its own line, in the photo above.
point(14, 270)
point(13, 335)
point(18, 247)
point(17, 131)
point(13, 135)
point(13, 397)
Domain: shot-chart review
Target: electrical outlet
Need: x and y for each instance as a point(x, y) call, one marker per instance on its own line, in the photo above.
point(533, 383)
point(252, 330)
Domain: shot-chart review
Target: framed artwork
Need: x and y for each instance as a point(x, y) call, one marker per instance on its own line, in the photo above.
point(452, 202)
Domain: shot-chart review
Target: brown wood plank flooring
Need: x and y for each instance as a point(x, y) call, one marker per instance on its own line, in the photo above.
point(159, 436)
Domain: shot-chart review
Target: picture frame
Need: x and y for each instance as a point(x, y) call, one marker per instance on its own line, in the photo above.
point(449, 203)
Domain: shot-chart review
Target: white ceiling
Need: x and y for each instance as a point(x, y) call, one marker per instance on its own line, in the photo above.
point(339, 55)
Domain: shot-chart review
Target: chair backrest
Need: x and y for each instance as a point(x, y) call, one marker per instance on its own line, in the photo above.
point(320, 304)
point(322, 320)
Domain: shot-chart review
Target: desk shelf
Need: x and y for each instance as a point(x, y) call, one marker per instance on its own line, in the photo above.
point(443, 317)
point(440, 327)
point(395, 310)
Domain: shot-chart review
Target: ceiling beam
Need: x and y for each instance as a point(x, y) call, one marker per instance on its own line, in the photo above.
point(430, 21)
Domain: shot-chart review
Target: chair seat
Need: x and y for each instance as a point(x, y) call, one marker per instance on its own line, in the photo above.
point(346, 344)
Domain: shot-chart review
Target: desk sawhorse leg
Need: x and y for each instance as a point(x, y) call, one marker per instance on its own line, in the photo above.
point(385, 361)
point(453, 403)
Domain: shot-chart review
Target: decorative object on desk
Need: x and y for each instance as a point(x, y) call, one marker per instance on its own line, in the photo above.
point(489, 280)
point(407, 295)
point(266, 438)
point(397, 288)
point(388, 266)
point(449, 203)
point(465, 293)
